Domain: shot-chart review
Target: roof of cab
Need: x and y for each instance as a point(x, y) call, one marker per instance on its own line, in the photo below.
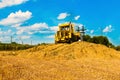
point(64, 24)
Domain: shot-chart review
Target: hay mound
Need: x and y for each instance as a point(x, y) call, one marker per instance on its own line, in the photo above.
point(75, 50)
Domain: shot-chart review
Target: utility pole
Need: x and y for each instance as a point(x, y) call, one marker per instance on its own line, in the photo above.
point(31, 42)
point(82, 31)
point(22, 42)
point(0, 39)
point(11, 39)
point(101, 31)
point(78, 30)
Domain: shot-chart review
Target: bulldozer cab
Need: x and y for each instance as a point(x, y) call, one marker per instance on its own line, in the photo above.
point(66, 34)
point(66, 27)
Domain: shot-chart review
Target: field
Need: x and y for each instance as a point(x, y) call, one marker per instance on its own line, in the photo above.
point(76, 61)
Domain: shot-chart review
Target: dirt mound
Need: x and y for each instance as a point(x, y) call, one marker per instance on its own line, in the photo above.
point(75, 50)
point(76, 61)
point(14, 68)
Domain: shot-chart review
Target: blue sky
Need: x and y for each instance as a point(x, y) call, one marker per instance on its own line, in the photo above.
point(37, 20)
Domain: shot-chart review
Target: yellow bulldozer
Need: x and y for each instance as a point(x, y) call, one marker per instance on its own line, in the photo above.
point(67, 34)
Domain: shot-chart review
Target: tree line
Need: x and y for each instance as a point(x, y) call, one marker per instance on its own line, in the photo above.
point(14, 46)
point(100, 40)
point(95, 39)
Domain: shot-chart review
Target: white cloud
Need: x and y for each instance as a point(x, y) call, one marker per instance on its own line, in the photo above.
point(63, 15)
point(78, 25)
point(7, 3)
point(16, 19)
point(51, 36)
point(32, 28)
point(54, 28)
point(5, 39)
point(44, 32)
point(25, 37)
point(20, 31)
point(92, 31)
point(39, 26)
point(77, 17)
point(6, 33)
point(36, 28)
point(108, 29)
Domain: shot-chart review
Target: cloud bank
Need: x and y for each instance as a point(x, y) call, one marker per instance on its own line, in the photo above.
point(17, 18)
point(8, 3)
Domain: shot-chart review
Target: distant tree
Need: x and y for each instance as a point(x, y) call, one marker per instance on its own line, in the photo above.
point(13, 43)
point(44, 44)
point(98, 40)
point(118, 48)
point(101, 40)
point(87, 38)
point(14, 46)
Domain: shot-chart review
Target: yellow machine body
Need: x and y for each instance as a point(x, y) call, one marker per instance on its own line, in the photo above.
point(66, 34)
